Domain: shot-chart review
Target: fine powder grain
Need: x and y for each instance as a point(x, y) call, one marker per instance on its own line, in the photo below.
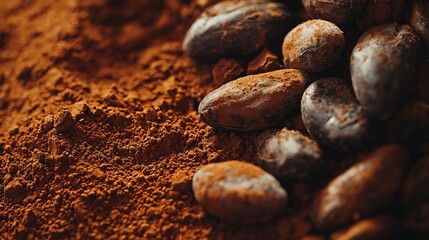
point(99, 133)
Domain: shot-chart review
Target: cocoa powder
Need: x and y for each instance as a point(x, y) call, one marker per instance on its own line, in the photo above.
point(122, 167)
point(100, 135)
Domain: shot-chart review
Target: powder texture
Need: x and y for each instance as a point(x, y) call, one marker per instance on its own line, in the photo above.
point(99, 133)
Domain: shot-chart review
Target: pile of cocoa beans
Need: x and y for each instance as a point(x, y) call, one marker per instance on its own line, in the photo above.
point(320, 81)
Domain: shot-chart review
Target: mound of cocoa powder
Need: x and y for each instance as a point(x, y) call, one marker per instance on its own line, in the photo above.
point(98, 125)
point(99, 130)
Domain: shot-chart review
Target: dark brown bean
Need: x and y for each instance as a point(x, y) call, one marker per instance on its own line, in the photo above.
point(375, 228)
point(420, 19)
point(383, 67)
point(236, 29)
point(288, 153)
point(313, 46)
point(332, 115)
point(336, 11)
point(255, 101)
point(362, 189)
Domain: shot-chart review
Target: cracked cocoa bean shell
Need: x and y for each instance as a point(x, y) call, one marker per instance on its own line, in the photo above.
point(254, 102)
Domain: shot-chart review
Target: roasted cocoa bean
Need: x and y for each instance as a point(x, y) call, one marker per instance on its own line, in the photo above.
point(236, 29)
point(362, 189)
point(332, 115)
point(238, 192)
point(288, 154)
point(313, 46)
point(383, 68)
point(255, 101)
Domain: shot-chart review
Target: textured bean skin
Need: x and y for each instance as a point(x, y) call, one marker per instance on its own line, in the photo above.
point(288, 153)
point(336, 11)
point(255, 101)
point(420, 19)
point(236, 29)
point(362, 189)
point(238, 192)
point(313, 46)
point(332, 115)
point(383, 67)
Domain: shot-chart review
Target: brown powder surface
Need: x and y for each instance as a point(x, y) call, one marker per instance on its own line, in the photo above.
point(99, 134)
